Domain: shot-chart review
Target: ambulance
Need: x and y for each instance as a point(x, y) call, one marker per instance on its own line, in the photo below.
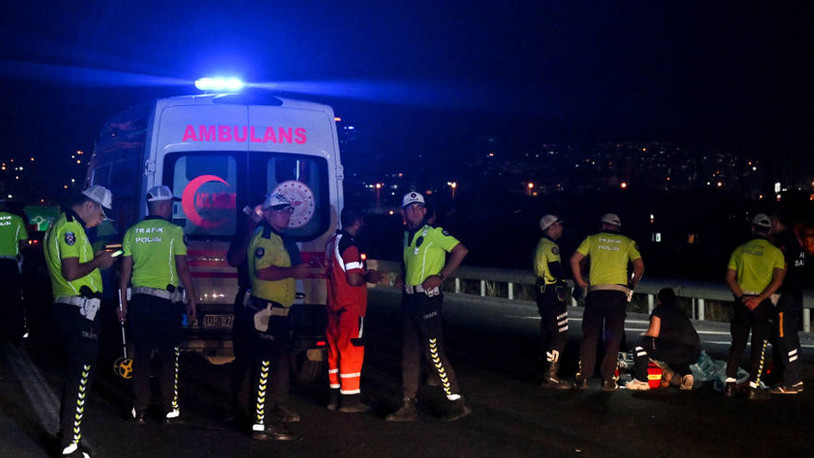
point(220, 153)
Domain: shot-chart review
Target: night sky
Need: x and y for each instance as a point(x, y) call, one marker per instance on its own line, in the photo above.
point(425, 76)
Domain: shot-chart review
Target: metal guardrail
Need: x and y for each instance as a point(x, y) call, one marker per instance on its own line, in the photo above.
point(488, 278)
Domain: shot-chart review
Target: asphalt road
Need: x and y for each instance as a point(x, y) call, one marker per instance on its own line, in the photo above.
point(493, 348)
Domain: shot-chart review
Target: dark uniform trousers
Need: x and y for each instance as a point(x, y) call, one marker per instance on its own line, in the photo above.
point(11, 316)
point(242, 338)
point(271, 360)
point(422, 331)
point(604, 310)
point(677, 355)
point(155, 324)
point(758, 321)
point(554, 319)
point(79, 339)
point(786, 331)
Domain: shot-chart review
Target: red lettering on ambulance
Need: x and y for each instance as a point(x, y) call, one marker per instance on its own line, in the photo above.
point(299, 134)
point(189, 134)
point(252, 137)
point(269, 136)
point(207, 133)
point(224, 134)
point(285, 134)
point(238, 137)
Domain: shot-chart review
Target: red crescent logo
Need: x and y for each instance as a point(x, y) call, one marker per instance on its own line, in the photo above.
point(188, 201)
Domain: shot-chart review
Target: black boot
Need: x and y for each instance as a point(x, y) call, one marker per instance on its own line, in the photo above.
point(333, 399)
point(551, 380)
point(730, 389)
point(352, 403)
point(458, 410)
point(407, 411)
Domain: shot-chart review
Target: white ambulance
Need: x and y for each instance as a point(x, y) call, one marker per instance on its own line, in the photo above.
point(218, 153)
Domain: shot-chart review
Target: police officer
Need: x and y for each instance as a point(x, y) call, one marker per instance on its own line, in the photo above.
point(550, 290)
point(155, 264)
point(77, 286)
point(755, 272)
point(608, 287)
point(242, 325)
point(425, 248)
point(274, 267)
point(347, 279)
point(789, 307)
point(12, 234)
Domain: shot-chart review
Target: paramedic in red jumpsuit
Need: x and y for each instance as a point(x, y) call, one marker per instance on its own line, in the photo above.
point(347, 304)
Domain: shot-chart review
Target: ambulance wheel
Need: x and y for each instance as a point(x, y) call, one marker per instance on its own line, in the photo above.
point(305, 370)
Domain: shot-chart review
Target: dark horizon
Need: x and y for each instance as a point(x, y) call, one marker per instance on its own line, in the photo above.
point(428, 78)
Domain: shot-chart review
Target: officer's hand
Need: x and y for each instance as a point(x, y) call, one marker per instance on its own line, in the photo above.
point(374, 276)
point(104, 259)
point(121, 313)
point(583, 285)
point(192, 311)
point(751, 302)
point(399, 283)
point(433, 281)
point(299, 271)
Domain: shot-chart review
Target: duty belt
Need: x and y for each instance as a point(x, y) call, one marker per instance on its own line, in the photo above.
point(87, 306)
point(274, 308)
point(621, 288)
point(412, 289)
point(162, 293)
point(9, 257)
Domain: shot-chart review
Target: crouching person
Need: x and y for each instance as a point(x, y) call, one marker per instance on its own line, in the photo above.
point(671, 342)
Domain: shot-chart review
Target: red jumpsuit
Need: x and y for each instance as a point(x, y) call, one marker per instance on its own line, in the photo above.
point(346, 314)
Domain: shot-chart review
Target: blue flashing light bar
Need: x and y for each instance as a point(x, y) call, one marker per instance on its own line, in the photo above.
point(220, 84)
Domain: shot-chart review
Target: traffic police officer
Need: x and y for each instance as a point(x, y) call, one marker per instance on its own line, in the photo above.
point(754, 273)
point(789, 307)
point(550, 292)
point(274, 267)
point(608, 288)
point(243, 323)
point(77, 286)
point(425, 248)
point(155, 254)
point(347, 279)
point(12, 234)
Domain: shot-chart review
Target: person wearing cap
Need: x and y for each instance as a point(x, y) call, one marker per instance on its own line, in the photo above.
point(347, 278)
point(274, 267)
point(76, 285)
point(243, 323)
point(550, 292)
point(425, 249)
point(671, 342)
point(755, 272)
point(12, 235)
point(608, 287)
point(155, 266)
point(789, 307)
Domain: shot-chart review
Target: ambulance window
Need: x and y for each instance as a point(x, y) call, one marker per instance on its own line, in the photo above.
point(304, 180)
point(118, 176)
point(207, 184)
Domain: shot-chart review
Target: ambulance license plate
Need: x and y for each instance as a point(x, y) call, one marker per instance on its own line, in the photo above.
point(218, 321)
